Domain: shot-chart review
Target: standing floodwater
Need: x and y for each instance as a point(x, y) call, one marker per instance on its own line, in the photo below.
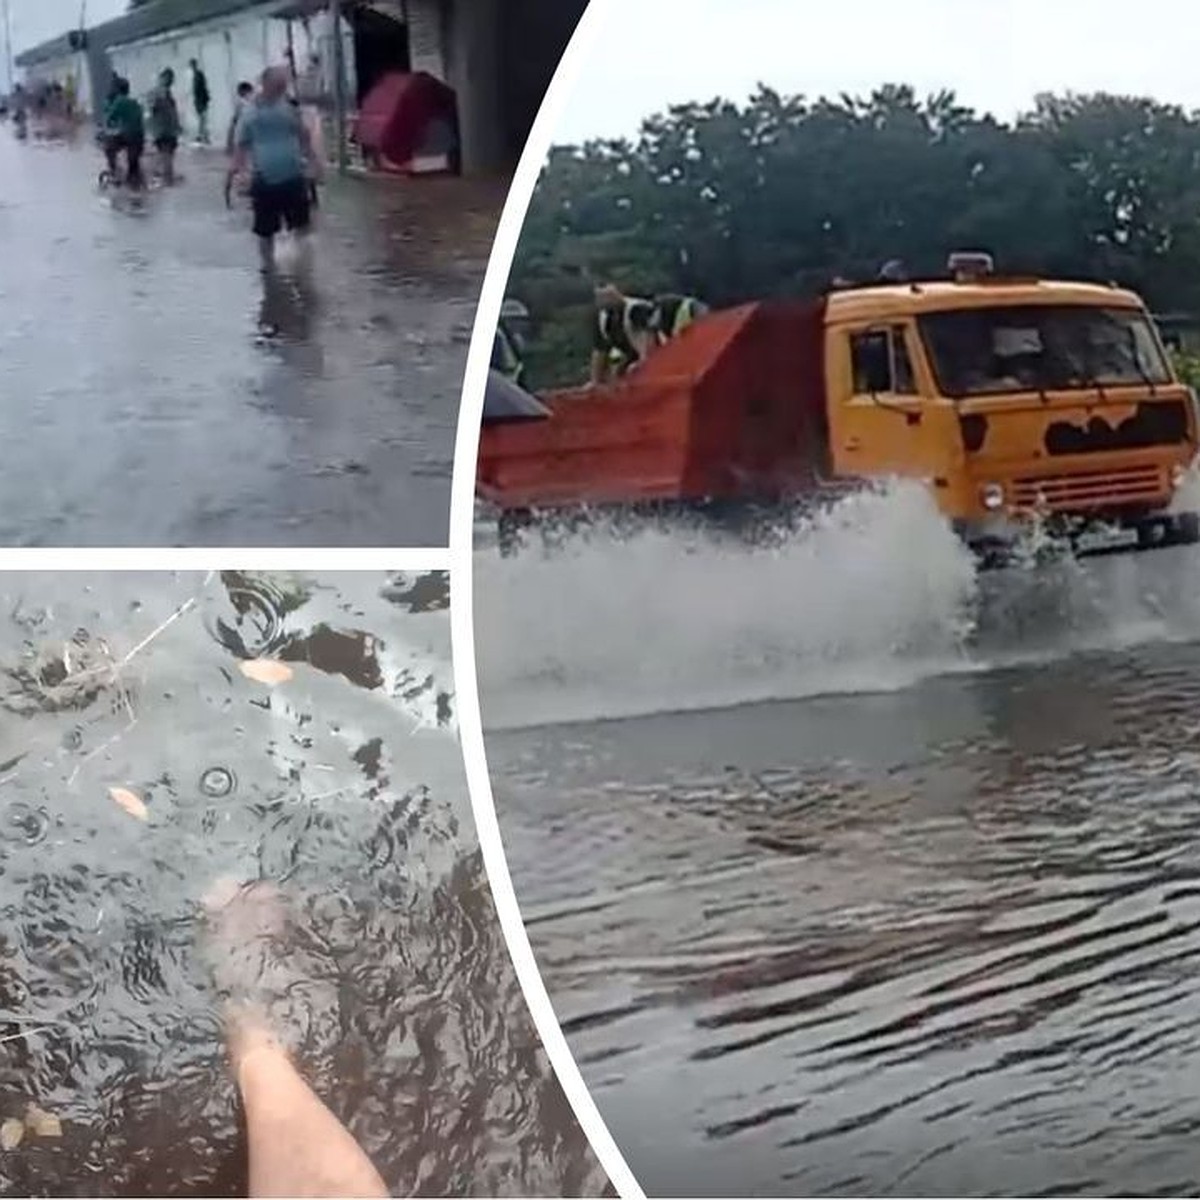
point(157, 391)
point(908, 906)
point(160, 732)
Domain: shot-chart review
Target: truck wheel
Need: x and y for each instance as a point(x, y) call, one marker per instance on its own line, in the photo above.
point(1187, 529)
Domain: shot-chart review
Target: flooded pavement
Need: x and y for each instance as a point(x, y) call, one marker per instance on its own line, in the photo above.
point(158, 394)
point(932, 928)
point(343, 783)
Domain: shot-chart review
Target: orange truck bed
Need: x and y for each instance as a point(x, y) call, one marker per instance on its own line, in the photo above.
point(734, 407)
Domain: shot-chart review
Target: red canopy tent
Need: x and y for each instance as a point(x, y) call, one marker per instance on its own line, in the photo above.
point(408, 123)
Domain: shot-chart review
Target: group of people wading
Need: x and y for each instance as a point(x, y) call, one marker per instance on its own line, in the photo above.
point(625, 331)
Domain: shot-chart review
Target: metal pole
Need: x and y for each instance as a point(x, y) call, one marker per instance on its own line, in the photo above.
point(8, 54)
point(339, 86)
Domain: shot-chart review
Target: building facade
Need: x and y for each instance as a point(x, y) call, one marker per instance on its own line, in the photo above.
point(497, 55)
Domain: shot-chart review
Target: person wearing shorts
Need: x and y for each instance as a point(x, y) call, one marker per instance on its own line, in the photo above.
point(165, 124)
point(273, 142)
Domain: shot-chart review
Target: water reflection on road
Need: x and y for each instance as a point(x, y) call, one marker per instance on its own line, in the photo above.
point(157, 394)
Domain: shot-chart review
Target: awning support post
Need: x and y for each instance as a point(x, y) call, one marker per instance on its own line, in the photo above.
point(339, 87)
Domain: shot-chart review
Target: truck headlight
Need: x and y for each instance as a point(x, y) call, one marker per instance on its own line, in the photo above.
point(1178, 476)
point(992, 495)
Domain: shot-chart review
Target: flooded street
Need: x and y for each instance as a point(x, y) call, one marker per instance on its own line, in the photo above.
point(342, 782)
point(157, 393)
point(929, 927)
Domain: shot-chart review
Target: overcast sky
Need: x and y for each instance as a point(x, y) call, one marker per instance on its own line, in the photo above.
point(35, 21)
point(996, 54)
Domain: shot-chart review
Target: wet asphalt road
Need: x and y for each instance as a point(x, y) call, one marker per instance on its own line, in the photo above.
point(344, 786)
point(931, 927)
point(156, 393)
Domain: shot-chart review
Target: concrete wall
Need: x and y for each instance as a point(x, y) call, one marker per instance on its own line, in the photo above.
point(498, 55)
point(427, 37)
point(473, 69)
point(231, 49)
point(500, 58)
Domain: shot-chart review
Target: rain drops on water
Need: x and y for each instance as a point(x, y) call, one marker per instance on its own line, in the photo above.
point(217, 782)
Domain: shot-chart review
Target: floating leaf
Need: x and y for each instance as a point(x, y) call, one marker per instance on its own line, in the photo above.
point(266, 670)
point(41, 1123)
point(11, 1133)
point(131, 802)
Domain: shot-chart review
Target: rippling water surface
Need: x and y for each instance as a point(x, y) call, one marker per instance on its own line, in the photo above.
point(159, 391)
point(343, 784)
point(931, 927)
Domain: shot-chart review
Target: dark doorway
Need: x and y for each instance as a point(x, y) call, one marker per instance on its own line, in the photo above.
point(380, 46)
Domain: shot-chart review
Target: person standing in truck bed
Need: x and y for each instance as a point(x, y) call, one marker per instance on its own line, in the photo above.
point(673, 314)
point(622, 332)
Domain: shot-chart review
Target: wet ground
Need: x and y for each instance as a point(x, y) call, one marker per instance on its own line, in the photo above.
point(932, 928)
point(157, 393)
point(344, 785)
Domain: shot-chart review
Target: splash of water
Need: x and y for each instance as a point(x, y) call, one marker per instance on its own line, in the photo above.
point(867, 592)
point(874, 595)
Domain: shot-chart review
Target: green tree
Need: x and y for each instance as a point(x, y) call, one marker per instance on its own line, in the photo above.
point(776, 196)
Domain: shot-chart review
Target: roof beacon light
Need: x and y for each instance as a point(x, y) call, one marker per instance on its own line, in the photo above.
point(970, 266)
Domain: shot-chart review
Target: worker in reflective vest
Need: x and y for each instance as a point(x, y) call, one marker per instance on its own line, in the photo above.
point(673, 314)
point(508, 348)
point(622, 333)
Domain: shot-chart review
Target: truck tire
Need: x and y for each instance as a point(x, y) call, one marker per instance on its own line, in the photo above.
point(1187, 529)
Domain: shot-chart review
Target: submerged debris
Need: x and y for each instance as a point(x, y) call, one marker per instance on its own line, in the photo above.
point(266, 670)
point(131, 802)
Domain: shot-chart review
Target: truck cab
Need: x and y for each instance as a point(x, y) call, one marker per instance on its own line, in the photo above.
point(1014, 400)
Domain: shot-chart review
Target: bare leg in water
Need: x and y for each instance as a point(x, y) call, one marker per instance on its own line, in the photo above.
point(297, 1147)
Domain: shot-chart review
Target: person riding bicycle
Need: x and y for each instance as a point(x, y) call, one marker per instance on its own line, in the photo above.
point(124, 130)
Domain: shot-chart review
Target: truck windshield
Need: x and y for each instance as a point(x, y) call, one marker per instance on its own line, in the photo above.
point(989, 351)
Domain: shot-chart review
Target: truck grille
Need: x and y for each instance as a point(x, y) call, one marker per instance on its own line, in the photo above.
point(1161, 423)
point(1089, 490)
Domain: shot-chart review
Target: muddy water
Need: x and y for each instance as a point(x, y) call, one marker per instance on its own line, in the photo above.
point(343, 784)
point(158, 392)
point(934, 935)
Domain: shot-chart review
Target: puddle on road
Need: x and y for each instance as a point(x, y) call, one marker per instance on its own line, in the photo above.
point(343, 783)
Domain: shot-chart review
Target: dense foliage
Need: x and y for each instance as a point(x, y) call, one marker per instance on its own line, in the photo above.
point(780, 195)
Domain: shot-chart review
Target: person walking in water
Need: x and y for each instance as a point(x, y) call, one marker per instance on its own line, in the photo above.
point(200, 102)
point(274, 145)
point(165, 125)
point(241, 103)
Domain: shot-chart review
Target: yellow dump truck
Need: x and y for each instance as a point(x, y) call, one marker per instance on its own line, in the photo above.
point(1014, 400)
